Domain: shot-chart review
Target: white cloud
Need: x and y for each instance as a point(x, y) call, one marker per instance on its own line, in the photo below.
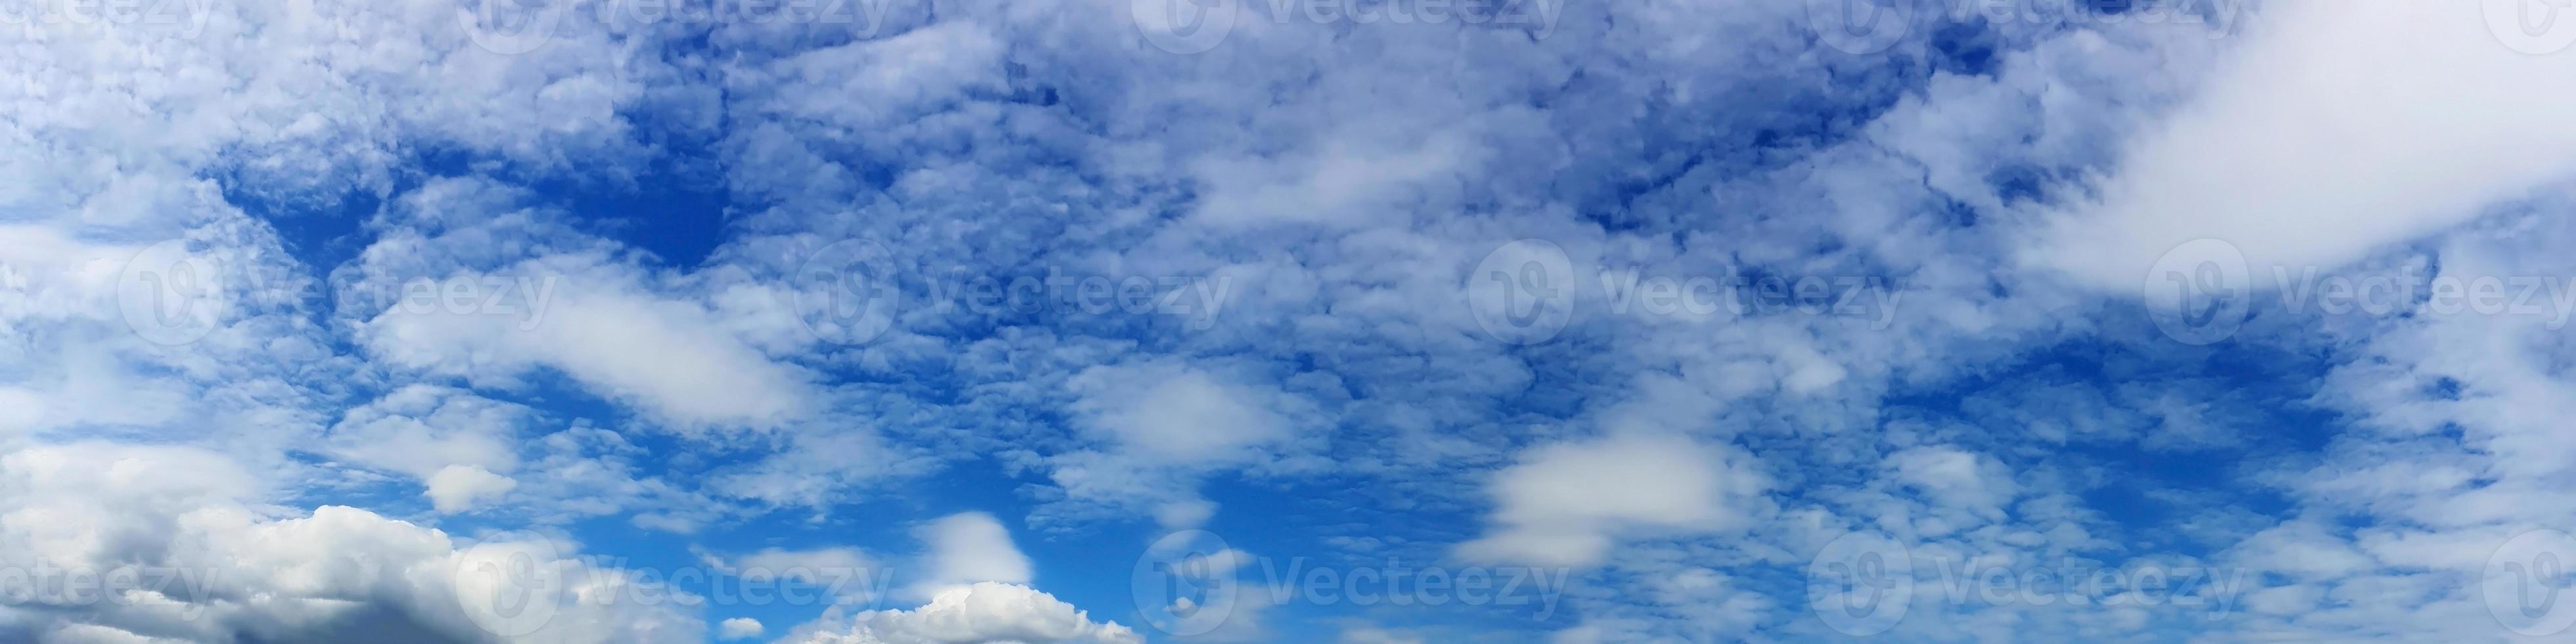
point(1955, 478)
point(1165, 423)
point(966, 548)
point(2333, 129)
point(1176, 414)
point(665, 356)
point(457, 488)
point(807, 564)
point(1567, 504)
point(738, 628)
point(981, 613)
point(459, 445)
point(1376, 635)
point(234, 569)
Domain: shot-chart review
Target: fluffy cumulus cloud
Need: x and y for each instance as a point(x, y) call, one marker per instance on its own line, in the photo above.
point(976, 590)
point(157, 544)
point(738, 628)
point(967, 548)
point(2240, 160)
point(325, 320)
point(977, 613)
point(1567, 504)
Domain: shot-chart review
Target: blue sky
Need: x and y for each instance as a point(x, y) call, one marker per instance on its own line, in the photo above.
point(886, 322)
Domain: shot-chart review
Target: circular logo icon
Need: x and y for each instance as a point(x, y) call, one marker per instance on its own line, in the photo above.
point(511, 27)
point(1523, 293)
point(2528, 582)
point(1860, 27)
point(1183, 26)
point(2199, 292)
point(846, 293)
point(171, 296)
point(2532, 26)
point(1184, 584)
point(509, 584)
point(1861, 583)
